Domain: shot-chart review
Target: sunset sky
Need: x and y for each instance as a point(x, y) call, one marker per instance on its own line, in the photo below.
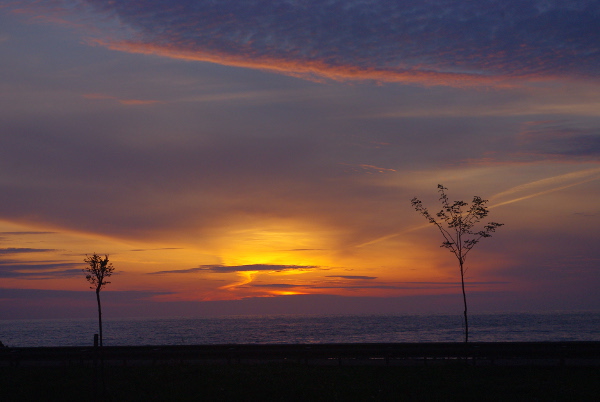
point(259, 156)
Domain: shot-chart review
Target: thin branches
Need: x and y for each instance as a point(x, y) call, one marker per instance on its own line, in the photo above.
point(97, 271)
point(456, 222)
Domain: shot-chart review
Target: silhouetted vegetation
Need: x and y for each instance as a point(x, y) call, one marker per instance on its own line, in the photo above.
point(97, 271)
point(456, 222)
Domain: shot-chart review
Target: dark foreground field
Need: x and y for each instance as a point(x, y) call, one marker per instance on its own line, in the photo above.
point(301, 382)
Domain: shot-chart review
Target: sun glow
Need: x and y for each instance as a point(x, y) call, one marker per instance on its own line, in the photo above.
point(286, 293)
point(246, 278)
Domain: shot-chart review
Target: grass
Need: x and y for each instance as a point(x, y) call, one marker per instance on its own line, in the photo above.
point(297, 382)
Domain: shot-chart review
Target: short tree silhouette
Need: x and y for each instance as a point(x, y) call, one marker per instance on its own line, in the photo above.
point(456, 222)
point(96, 273)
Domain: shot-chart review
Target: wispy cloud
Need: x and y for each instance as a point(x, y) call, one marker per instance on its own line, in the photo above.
point(6, 251)
point(236, 268)
point(25, 233)
point(177, 271)
point(438, 42)
point(544, 186)
point(515, 194)
point(38, 270)
point(547, 138)
point(369, 169)
point(276, 285)
point(127, 102)
point(377, 285)
point(409, 285)
point(48, 294)
point(351, 277)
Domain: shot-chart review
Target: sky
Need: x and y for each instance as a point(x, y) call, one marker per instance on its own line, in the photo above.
point(259, 157)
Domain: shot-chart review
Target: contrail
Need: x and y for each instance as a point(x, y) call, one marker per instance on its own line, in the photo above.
point(382, 238)
point(525, 197)
point(587, 175)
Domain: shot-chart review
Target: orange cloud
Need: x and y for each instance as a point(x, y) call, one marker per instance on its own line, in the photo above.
point(310, 70)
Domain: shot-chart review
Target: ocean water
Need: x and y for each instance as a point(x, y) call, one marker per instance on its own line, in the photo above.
point(294, 329)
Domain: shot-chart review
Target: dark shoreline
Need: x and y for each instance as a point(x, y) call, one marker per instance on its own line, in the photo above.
point(292, 381)
point(386, 354)
point(520, 371)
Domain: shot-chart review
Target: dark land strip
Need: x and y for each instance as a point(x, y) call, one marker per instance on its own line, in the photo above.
point(512, 371)
point(385, 354)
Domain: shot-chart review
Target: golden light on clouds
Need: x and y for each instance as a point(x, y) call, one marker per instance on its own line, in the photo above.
point(279, 158)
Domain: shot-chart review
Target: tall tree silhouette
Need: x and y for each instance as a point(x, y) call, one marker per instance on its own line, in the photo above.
point(96, 272)
point(456, 222)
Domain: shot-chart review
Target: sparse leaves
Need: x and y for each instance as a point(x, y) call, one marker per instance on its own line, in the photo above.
point(456, 222)
point(97, 271)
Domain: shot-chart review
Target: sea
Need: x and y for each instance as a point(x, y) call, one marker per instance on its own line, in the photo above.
point(304, 329)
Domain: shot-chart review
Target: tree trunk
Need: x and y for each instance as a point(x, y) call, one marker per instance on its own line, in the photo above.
point(99, 314)
point(462, 280)
point(101, 348)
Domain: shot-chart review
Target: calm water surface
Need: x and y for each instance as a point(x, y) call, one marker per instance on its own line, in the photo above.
point(304, 329)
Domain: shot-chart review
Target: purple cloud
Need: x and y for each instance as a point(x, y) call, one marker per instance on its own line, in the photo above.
point(276, 285)
point(434, 41)
point(235, 268)
point(8, 269)
point(558, 138)
point(12, 250)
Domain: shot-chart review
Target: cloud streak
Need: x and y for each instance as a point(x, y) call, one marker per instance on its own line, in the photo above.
point(38, 270)
point(127, 102)
point(545, 186)
point(352, 277)
point(236, 268)
point(21, 250)
point(433, 42)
